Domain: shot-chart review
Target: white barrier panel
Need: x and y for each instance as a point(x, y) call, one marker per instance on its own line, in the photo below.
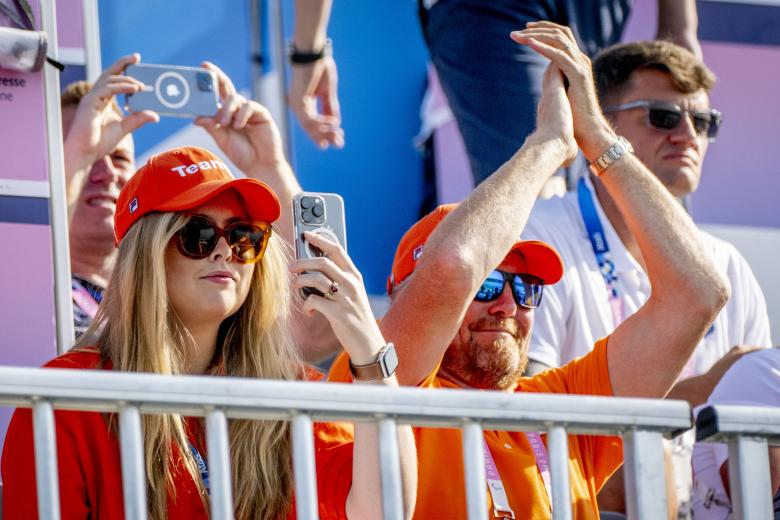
point(642, 421)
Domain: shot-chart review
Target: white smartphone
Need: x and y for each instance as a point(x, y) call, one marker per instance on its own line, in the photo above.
point(174, 91)
point(321, 213)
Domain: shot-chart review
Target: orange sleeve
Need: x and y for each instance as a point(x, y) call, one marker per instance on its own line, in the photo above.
point(333, 454)
point(586, 375)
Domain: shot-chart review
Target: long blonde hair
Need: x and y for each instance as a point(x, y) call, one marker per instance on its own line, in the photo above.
point(138, 331)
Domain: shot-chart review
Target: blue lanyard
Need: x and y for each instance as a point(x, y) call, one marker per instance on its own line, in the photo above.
point(202, 468)
point(598, 240)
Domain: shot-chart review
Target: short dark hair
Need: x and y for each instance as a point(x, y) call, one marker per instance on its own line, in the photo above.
point(613, 67)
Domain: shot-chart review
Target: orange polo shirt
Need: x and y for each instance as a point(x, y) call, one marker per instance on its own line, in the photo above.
point(441, 489)
point(90, 477)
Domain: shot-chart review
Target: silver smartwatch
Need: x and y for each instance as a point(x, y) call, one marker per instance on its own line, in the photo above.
point(384, 366)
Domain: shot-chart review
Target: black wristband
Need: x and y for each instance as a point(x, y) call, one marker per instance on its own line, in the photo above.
point(299, 57)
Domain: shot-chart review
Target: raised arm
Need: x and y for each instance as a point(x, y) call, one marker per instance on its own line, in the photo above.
point(473, 239)
point(246, 133)
point(98, 127)
point(649, 349)
point(313, 93)
point(678, 22)
point(350, 315)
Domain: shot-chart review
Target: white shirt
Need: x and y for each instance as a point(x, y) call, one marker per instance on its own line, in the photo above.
point(754, 380)
point(576, 312)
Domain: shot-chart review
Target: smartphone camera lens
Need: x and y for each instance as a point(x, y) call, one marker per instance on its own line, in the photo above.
point(205, 83)
point(312, 210)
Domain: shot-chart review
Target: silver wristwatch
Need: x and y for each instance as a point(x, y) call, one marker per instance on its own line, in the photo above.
point(613, 153)
point(384, 366)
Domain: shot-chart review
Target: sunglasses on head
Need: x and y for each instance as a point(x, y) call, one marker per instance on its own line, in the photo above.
point(200, 235)
point(668, 116)
point(526, 289)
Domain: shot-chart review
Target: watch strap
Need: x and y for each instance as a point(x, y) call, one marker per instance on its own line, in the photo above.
point(305, 57)
point(384, 366)
point(618, 149)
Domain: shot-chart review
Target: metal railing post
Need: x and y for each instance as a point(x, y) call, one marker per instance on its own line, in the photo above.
point(390, 468)
point(474, 469)
point(46, 461)
point(303, 468)
point(751, 494)
point(131, 445)
point(645, 473)
point(220, 482)
point(558, 446)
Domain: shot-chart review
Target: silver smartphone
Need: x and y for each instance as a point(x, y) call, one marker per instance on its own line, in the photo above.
point(321, 213)
point(174, 91)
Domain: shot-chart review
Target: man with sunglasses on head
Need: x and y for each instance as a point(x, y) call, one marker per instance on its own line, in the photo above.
point(463, 292)
point(656, 95)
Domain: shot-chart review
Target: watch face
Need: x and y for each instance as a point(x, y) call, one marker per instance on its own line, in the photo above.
point(390, 361)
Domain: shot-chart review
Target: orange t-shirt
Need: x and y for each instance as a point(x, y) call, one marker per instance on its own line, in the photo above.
point(441, 489)
point(90, 477)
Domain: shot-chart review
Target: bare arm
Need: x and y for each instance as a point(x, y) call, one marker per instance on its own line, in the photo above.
point(246, 133)
point(97, 128)
point(648, 350)
point(696, 390)
point(473, 240)
point(350, 315)
point(678, 22)
point(313, 93)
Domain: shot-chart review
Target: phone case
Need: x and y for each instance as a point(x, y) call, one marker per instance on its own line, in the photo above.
point(174, 91)
point(331, 224)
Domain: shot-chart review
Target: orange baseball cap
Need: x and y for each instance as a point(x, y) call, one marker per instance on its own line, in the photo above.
point(532, 257)
point(184, 178)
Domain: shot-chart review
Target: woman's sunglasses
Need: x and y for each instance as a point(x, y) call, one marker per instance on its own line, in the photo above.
point(526, 289)
point(668, 116)
point(200, 235)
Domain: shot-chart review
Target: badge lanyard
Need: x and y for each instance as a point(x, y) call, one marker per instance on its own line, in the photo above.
point(501, 507)
point(84, 299)
point(202, 467)
point(598, 242)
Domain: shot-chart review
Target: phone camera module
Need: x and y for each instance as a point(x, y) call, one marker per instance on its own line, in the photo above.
point(205, 82)
point(312, 210)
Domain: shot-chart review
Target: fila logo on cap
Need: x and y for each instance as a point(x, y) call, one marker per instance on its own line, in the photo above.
point(417, 253)
point(203, 165)
point(134, 205)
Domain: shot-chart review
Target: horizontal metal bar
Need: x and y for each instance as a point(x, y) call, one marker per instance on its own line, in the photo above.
point(262, 399)
point(720, 422)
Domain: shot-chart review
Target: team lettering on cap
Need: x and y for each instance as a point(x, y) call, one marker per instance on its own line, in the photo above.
point(213, 164)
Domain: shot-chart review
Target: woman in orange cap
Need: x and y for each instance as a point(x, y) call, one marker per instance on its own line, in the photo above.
point(202, 286)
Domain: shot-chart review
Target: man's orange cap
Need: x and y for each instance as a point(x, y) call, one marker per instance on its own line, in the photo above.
point(182, 179)
point(532, 257)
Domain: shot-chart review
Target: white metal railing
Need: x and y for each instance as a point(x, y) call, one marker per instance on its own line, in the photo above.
point(641, 422)
point(748, 430)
